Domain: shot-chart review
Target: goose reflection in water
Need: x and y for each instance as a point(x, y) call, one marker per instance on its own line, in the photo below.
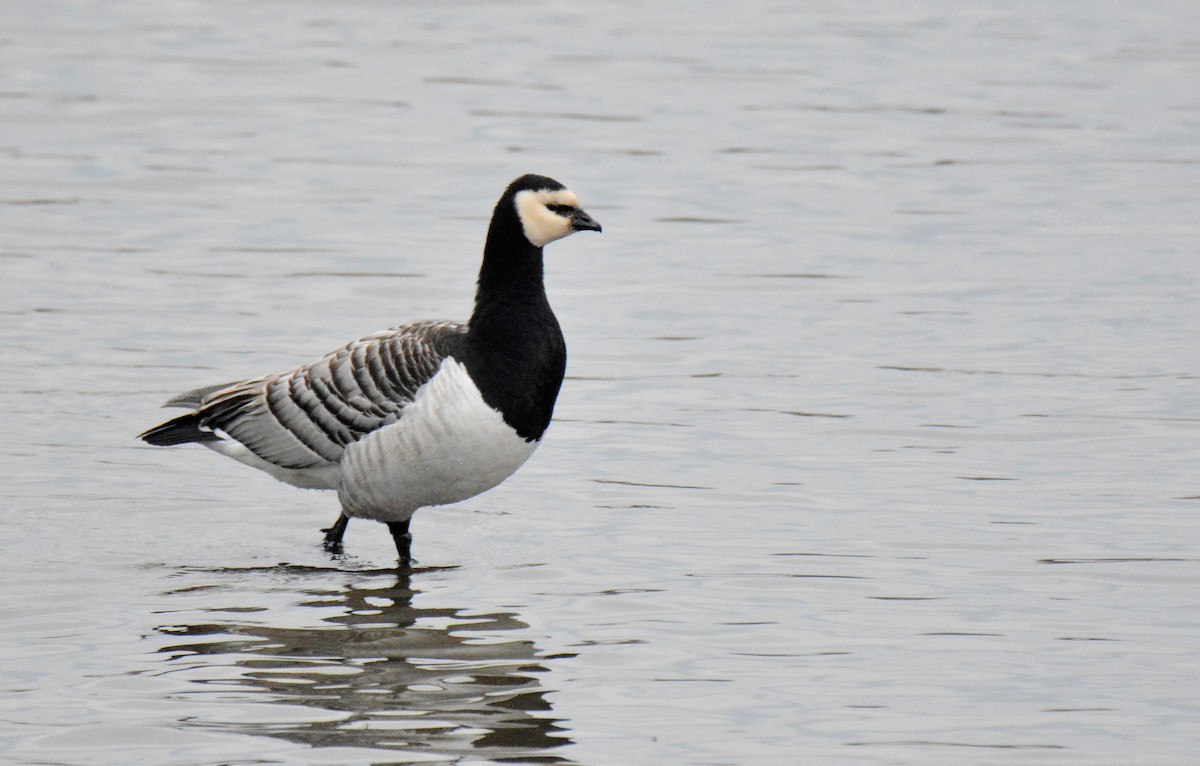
point(380, 673)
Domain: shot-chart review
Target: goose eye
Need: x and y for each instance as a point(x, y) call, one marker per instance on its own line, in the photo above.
point(563, 210)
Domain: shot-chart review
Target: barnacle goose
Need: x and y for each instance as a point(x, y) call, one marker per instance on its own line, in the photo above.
point(423, 414)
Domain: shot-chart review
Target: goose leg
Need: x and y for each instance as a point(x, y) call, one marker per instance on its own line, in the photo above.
point(403, 538)
point(333, 535)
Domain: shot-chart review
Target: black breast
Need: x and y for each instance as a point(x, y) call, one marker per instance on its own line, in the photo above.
point(518, 366)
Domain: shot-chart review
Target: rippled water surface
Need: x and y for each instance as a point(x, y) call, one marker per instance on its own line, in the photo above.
point(881, 437)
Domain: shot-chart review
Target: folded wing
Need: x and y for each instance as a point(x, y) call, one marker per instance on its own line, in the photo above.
point(305, 417)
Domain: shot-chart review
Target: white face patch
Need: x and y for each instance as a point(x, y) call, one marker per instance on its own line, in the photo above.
point(541, 224)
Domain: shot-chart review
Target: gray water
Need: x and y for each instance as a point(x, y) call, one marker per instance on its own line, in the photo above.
point(879, 443)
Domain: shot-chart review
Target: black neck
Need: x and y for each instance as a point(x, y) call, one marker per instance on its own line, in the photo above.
point(515, 349)
point(510, 279)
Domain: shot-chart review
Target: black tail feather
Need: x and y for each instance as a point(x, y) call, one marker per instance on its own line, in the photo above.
point(181, 430)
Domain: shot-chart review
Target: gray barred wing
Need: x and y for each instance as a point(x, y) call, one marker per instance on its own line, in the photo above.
point(306, 417)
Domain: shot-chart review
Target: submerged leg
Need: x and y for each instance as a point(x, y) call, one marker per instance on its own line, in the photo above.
point(333, 535)
point(403, 538)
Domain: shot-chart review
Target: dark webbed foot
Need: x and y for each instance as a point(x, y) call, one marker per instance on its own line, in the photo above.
point(333, 535)
point(403, 539)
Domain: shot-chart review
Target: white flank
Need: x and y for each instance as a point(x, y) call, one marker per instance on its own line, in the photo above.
point(448, 446)
point(542, 225)
point(319, 477)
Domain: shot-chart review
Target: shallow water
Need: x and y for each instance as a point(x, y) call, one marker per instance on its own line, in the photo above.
point(879, 442)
